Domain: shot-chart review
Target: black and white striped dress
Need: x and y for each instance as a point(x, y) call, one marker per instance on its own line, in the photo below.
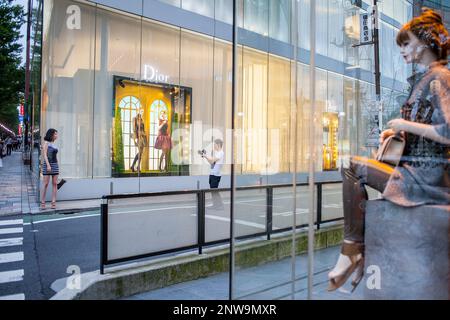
point(52, 151)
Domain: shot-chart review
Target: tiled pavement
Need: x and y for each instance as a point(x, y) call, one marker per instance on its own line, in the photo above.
point(13, 185)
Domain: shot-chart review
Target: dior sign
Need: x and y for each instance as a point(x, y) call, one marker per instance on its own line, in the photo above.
point(153, 75)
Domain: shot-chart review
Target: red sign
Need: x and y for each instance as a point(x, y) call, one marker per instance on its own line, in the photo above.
point(22, 111)
point(20, 130)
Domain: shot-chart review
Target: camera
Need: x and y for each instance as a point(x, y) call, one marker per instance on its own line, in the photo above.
point(202, 152)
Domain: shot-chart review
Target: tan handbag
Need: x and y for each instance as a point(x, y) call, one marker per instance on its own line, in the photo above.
point(391, 151)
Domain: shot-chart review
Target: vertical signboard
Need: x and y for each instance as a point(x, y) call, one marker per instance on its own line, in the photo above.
point(366, 34)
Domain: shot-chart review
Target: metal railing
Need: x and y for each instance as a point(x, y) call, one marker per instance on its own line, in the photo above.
point(201, 217)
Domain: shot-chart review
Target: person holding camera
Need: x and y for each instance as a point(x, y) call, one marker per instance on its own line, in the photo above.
point(216, 162)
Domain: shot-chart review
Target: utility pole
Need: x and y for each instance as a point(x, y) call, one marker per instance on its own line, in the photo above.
point(27, 84)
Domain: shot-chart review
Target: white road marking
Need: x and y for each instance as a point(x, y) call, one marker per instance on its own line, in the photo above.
point(11, 276)
point(287, 213)
point(10, 222)
point(19, 296)
point(11, 230)
point(333, 206)
point(11, 242)
point(61, 219)
point(11, 257)
point(238, 221)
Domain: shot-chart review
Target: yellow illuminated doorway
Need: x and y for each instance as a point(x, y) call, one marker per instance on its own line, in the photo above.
point(330, 140)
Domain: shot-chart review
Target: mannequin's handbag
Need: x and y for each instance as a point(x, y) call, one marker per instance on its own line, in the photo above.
point(391, 151)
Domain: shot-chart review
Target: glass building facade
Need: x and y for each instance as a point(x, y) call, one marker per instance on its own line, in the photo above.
point(185, 46)
point(114, 77)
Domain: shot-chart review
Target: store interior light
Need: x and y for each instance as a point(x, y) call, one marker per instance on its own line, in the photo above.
point(353, 67)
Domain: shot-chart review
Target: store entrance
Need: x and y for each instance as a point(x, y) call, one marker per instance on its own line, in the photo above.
point(330, 141)
point(145, 117)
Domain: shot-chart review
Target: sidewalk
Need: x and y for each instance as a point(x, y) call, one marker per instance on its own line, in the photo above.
point(19, 195)
point(270, 281)
point(12, 185)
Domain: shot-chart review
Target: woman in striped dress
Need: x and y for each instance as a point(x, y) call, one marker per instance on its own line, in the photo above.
point(50, 168)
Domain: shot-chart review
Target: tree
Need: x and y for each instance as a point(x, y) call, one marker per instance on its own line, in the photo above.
point(12, 84)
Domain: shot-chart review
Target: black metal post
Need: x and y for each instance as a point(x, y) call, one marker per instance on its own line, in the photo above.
point(201, 220)
point(376, 42)
point(233, 127)
point(103, 235)
point(319, 205)
point(269, 212)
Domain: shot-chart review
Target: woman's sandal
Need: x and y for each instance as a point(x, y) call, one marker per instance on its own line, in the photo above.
point(53, 205)
point(351, 250)
point(42, 205)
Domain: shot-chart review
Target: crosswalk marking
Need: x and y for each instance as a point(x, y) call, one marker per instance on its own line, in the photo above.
point(11, 276)
point(11, 257)
point(20, 296)
point(11, 222)
point(11, 230)
point(10, 260)
point(11, 242)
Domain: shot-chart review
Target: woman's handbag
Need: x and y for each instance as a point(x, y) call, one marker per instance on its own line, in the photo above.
point(391, 151)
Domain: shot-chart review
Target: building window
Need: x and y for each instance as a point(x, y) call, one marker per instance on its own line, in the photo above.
point(156, 108)
point(129, 108)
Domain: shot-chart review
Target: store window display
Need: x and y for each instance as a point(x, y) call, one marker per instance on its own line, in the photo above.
point(145, 115)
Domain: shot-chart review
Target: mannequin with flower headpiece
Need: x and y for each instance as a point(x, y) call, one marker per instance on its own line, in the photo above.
point(423, 175)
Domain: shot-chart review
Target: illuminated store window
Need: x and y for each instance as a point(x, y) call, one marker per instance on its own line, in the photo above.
point(157, 107)
point(129, 108)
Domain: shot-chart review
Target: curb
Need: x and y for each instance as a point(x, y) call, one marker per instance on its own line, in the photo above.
point(173, 270)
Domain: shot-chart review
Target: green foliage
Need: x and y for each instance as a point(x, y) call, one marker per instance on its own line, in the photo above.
point(12, 73)
point(119, 165)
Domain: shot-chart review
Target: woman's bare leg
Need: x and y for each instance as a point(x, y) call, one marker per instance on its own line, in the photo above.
point(55, 188)
point(44, 189)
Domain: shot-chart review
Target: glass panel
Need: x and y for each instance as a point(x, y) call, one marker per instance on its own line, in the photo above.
point(176, 3)
point(217, 213)
point(322, 27)
point(280, 20)
point(252, 115)
point(118, 53)
point(224, 11)
point(332, 207)
point(266, 89)
point(203, 7)
point(67, 88)
point(283, 204)
point(278, 120)
point(147, 225)
point(221, 115)
point(35, 97)
point(304, 24)
point(250, 212)
point(335, 27)
point(256, 16)
point(197, 72)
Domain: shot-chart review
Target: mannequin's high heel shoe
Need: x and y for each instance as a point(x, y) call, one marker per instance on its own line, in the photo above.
point(354, 251)
point(359, 274)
